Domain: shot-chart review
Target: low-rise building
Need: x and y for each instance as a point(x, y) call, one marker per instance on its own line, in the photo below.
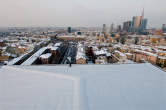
point(45, 58)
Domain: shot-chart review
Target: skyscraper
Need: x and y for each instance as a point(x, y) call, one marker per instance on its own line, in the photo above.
point(139, 23)
point(119, 28)
point(143, 26)
point(142, 14)
point(69, 30)
point(104, 28)
point(164, 27)
point(144, 23)
point(127, 26)
point(112, 28)
point(136, 23)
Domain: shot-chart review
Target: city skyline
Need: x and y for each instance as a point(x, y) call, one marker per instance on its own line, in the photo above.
point(75, 13)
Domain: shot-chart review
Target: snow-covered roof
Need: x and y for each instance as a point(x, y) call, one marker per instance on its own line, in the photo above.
point(31, 90)
point(15, 60)
point(54, 48)
point(162, 57)
point(101, 60)
point(80, 55)
point(81, 36)
point(80, 52)
point(100, 52)
point(46, 56)
point(83, 87)
point(108, 54)
point(120, 53)
point(161, 47)
point(34, 57)
point(58, 44)
point(66, 36)
point(117, 45)
point(128, 54)
point(39, 43)
point(145, 52)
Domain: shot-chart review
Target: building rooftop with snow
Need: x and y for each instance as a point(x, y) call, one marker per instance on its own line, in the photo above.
point(83, 87)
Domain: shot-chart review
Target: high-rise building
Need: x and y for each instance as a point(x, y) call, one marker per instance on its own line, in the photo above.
point(104, 28)
point(139, 23)
point(69, 30)
point(119, 28)
point(127, 26)
point(112, 28)
point(164, 27)
point(143, 25)
point(136, 23)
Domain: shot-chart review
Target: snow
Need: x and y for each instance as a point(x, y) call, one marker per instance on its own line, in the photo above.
point(66, 36)
point(100, 61)
point(162, 57)
point(147, 53)
point(81, 36)
point(70, 36)
point(32, 90)
point(120, 53)
point(117, 46)
point(100, 52)
point(58, 44)
point(39, 43)
point(108, 54)
point(46, 56)
point(83, 87)
point(80, 52)
point(159, 51)
point(15, 60)
point(80, 56)
point(9, 54)
point(161, 47)
point(13, 45)
point(54, 48)
point(36, 55)
point(128, 53)
point(126, 62)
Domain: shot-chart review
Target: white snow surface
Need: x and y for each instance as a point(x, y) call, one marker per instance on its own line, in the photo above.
point(100, 52)
point(83, 87)
point(15, 60)
point(46, 56)
point(120, 53)
point(58, 44)
point(36, 55)
point(22, 89)
point(54, 48)
point(80, 52)
point(147, 53)
point(162, 57)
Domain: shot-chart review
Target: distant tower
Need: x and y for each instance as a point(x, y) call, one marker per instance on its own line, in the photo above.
point(127, 26)
point(143, 14)
point(142, 18)
point(144, 22)
point(69, 30)
point(104, 28)
point(139, 23)
point(119, 28)
point(112, 28)
point(136, 23)
point(164, 27)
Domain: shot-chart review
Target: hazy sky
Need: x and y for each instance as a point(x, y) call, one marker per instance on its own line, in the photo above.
point(79, 12)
